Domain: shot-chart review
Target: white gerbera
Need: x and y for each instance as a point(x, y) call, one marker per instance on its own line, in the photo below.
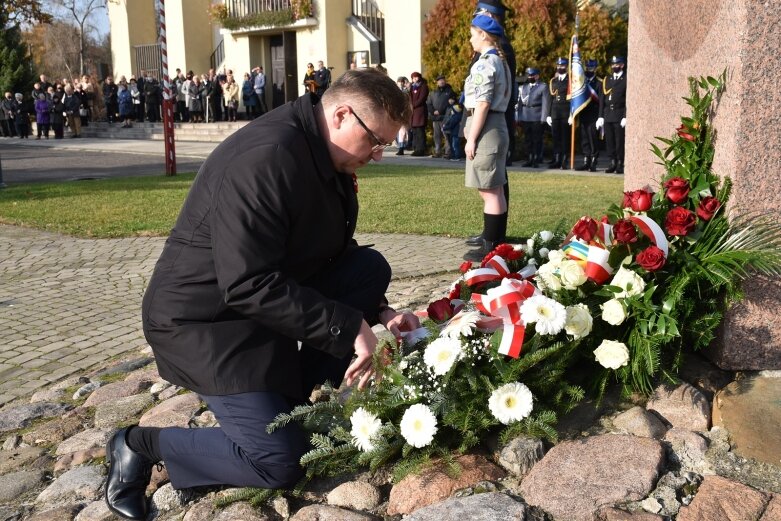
point(364, 427)
point(442, 353)
point(579, 321)
point(418, 425)
point(511, 402)
point(463, 324)
point(547, 315)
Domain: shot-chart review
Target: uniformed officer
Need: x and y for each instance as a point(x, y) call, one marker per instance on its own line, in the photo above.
point(531, 112)
point(612, 114)
point(589, 138)
point(559, 114)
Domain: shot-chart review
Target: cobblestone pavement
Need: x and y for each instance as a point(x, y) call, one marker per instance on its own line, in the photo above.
point(68, 304)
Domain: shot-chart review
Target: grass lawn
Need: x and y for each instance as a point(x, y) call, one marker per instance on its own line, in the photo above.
point(393, 198)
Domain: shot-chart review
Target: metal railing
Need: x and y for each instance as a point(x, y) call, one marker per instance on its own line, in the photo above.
point(371, 16)
point(150, 59)
point(239, 8)
point(218, 56)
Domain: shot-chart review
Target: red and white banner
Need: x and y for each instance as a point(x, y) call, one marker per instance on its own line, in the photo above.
point(504, 301)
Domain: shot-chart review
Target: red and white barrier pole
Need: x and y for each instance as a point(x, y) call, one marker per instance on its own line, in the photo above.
point(168, 101)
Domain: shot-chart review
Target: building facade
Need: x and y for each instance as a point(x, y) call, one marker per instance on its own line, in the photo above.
point(281, 36)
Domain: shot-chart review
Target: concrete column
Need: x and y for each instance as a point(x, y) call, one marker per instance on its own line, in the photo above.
point(670, 41)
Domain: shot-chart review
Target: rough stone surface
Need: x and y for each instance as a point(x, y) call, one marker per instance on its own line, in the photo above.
point(84, 440)
point(10, 460)
point(147, 374)
point(86, 389)
point(724, 499)
point(687, 450)
point(110, 414)
point(78, 484)
point(12, 418)
point(329, 513)
point(616, 514)
point(62, 513)
point(168, 393)
point(46, 395)
point(520, 455)
point(684, 407)
point(640, 422)
point(114, 391)
point(241, 512)
point(203, 510)
point(704, 374)
point(356, 495)
point(158, 387)
point(127, 366)
point(11, 442)
point(15, 484)
point(480, 507)
point(96, 511)
point(731, 34)
point(419, 490)
point(166, 499)
point(174, 412)
point(750, 409)
point(281, 506)
point(80, 457)
point(773, 510)
point(56, 430)
point(577, 477)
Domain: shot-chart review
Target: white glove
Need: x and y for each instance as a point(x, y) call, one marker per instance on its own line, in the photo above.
point(569, 121)
point(549, 121)
point(623, 122)
point(600, 122)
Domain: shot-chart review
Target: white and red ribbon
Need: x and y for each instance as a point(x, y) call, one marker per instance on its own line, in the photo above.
point(653, 231)
point(597, 267)
point(495, 269)
point(504, 301)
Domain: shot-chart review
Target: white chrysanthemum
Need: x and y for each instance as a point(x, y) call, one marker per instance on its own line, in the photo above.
point(511, 402)
point(613, 312)
point(579, 321)
point(571, 274)
point(442, 353)
point(555, 257)
point(629, 281)
point(418, 425)
point(547, 275)
point(463, 324)
point(364, 427)
point(612, 354)
point(545, 235)
point(547, 315)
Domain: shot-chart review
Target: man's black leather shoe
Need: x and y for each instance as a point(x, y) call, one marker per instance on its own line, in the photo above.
point(128, 476)
point(476, 240)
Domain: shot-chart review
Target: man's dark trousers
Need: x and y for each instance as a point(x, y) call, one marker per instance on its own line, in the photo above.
point(614, 139)
point(240, 452)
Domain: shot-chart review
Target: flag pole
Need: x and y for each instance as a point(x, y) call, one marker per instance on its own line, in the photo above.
point(575, 117)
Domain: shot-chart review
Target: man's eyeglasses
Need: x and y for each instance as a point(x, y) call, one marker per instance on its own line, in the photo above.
point(377, 143)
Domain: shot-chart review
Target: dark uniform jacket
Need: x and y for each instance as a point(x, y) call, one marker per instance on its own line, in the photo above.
point(228, 299)
point(612, 104)
point(532, 102)
point(591, 112)
point(559, 104)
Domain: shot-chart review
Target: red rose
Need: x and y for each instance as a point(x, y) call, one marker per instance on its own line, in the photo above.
point(677, 189)
point(455, 293)
point(626, 202)
point(585, 228)
point(504, 250)
point(465, 266)
point(440, 310)
point(624, 231)
point(640, 200)
point(651, 258)
point(679, 221)
point(708, 206)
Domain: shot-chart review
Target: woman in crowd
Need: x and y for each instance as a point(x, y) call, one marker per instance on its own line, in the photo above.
point(248, 96)
point(402, 138)
point(487, 92)
point(22, 110)
point(135, 95)
point(309, 78)
point(88, 97)
point(43, 109)
point(57, 118)
point(125, 99)
point(196, 93)
point(231, 91)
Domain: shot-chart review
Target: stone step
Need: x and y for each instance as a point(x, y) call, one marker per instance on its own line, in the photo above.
point(203, 132)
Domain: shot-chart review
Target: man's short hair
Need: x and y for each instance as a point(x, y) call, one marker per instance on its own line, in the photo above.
point(371, 89)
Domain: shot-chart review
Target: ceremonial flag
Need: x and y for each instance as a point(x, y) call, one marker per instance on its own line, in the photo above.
point(578, 93)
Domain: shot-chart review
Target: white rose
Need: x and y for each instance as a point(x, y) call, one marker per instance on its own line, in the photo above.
point(579, 321)
point(629, 281)
point(529, 247)
point(612, 354)
point(543, 252)
point(531, 262)
point(613, 312)
point(545, 235)
point(547, 275)
point(571, 274)
point(555, 257)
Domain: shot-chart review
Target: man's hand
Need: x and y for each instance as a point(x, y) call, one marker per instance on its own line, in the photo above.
point(398, 322)
point(361, 368)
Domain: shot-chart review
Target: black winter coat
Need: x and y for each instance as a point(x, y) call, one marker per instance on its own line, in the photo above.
point(228, 299)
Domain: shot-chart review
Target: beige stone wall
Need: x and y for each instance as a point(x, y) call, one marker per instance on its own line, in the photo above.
point(669, 41)
point(131, 23)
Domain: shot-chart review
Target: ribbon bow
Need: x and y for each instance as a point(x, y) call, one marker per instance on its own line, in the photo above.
point(504, 302)
point(495, 269)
